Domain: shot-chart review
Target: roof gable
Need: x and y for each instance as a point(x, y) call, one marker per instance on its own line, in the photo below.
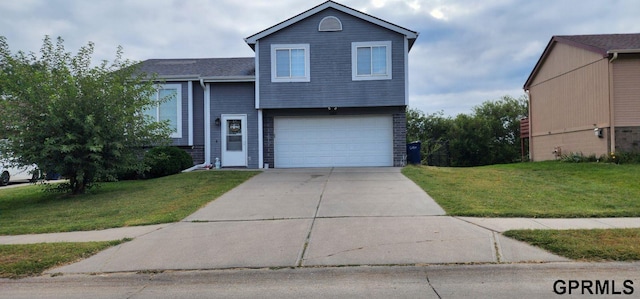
point(603, 44)
point(411, 35)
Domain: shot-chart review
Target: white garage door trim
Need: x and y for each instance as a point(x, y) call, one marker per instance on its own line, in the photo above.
point(333, 141)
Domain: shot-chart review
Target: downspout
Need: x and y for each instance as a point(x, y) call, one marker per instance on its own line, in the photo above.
point(206, 161)
point(612, 129)
point(614, 57)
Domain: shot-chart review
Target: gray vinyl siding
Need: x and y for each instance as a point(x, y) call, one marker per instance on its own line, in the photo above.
point(198, 114)
point(185, 115)
point(331, 82)
point(234, 98)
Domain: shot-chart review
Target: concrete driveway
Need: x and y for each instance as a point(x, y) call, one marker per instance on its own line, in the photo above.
point(314, 217)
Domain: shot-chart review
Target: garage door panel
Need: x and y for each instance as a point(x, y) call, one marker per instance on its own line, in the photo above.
point(334, 141)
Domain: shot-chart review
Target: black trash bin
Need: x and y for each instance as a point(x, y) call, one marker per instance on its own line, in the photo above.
point(413, 152)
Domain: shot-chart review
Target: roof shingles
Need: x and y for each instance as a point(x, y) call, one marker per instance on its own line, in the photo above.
point(200, 67)
point(604, 42)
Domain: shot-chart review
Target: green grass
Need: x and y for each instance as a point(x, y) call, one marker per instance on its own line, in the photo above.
point(17, 261)
point(585, 245)
point(28, 210)
point(540, 189)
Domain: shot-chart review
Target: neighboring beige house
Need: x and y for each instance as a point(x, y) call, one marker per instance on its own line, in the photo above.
point(584, 96)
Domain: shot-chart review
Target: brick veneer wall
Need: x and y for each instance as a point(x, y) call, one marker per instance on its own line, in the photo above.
point(268, 135)
point(196, 152)
point(399, 139)
point(628, 139)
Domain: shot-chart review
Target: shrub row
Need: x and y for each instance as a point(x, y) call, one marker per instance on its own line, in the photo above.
point(157, 162)
point(618, 158)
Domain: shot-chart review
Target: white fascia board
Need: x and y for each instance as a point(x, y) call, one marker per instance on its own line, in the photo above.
point(624, 51)
point(179, 77)
point(329, 4)
point(229, 79)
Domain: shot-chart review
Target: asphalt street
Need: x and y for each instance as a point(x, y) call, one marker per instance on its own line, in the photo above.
point(562, 280)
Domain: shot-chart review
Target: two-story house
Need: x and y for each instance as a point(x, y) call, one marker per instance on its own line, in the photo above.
point(584, 96)
point(326, 88)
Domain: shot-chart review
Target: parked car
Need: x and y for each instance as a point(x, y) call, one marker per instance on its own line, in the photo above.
point(10, 173)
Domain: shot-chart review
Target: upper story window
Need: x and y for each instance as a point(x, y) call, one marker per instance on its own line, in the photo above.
point(371, 60)
point(290, 63)
point(329, 24)
point(169, 108)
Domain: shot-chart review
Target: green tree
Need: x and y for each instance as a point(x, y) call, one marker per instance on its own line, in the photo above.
point(489, 135)
point(431, 130)
point(84, 122)
point(501, 119)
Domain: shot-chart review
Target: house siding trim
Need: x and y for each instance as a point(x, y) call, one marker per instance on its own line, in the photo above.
point(207, 123)
point(257, 67)
point(260, 139)
point(406, 71)
point(190, 112)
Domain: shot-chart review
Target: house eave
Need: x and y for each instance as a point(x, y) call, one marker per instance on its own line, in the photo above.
point(209, 79)
point(411, 35)
point(229, 79)
point(624, 51)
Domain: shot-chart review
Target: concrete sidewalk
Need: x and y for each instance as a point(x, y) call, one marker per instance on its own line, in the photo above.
point(498, 225)
point(316, 217)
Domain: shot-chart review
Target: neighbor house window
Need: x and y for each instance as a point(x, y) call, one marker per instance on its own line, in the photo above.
point(290, 63)
point(371, 60)
point(169, 108)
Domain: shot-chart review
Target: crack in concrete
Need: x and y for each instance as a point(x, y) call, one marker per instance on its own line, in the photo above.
point(432, 287)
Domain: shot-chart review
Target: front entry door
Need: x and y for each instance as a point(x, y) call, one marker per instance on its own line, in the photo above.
point(234, 140)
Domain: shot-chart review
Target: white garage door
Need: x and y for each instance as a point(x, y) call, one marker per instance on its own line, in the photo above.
point(337, 141)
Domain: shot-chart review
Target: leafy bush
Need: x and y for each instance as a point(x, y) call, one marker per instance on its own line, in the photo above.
point(617, 158)
point(166, 160)
point(624, 158)
point(580, 157)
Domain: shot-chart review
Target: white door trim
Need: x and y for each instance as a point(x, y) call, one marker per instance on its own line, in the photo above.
point(234, 158)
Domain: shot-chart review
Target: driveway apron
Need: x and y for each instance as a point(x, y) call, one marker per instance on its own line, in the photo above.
point(313, 217)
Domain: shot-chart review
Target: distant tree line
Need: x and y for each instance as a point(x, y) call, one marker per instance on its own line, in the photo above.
point(489, 135)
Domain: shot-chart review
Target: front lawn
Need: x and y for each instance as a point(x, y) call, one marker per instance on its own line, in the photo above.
point(585, 245)
point(17, 261)
point(28, 210)
point(537, 189)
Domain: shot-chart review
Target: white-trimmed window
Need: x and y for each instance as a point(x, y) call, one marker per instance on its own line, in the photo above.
point(169, 97)
point(290, 63)
point(371, 60)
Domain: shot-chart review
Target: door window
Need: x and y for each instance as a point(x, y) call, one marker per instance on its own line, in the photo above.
point(234, 135)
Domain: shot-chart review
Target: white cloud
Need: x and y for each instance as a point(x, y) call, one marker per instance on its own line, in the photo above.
point(468, 51)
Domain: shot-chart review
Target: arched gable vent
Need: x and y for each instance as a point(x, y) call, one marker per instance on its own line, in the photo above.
point(330, 23)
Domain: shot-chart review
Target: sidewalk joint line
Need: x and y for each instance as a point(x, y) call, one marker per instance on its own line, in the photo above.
point(315, 216)
point(497, 247)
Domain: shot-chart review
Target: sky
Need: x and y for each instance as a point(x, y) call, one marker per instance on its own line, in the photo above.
point(468, 51)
